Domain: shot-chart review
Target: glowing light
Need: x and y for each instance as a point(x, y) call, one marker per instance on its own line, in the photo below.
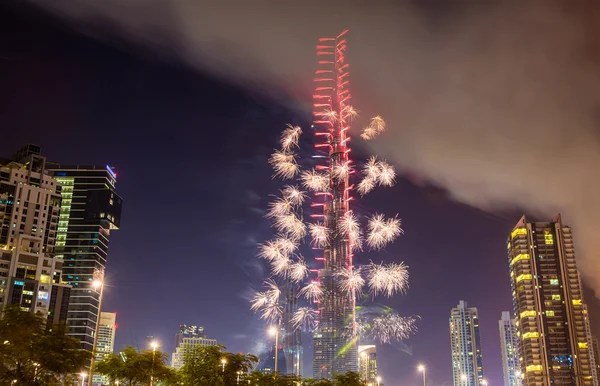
point(340, 172)
point(349, 225)
point(391, 326)
point(519, 257)
point(291, 225)
point(518, 231)
point(349, 112)
point(330, 114)
point(366, 185)
point(298, 271)
point(284, 164)
point(351, 282)
point(531, 335)
point(278, 248)
point(527, 314)
point(279, 207)
point(382, 231)
point(387, 279)
point(290, 137)
point(293, 195)
point(376, 127)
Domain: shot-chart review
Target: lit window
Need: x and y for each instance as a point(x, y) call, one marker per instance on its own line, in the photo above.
point(555, 297)
point(576, 302)
point(549, 313)
point(526, 276)
point(554, 281)
point(548, 238)
point(526, 314)
point(582, 345)
point(519, 257)
point(533, 368)
point(531, 335)
point(518, 231)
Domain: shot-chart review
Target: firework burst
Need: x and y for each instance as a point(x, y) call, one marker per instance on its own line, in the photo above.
point(312, 291)
point(315, 181)
point(298, 271)
point(291, 225)
point(382, 231)
point(388, 279)
point(290, 137)
point(349, 113)
point(331, 115)
point(350, 226)
point(280, 266)
point(366, 185)
point(389, 327)
point(305, 318)
point(294, 196)
point(320, 234)
point(284, 164)
point(351, 282)
point(278, 248)
point(279, 207)
point(376, 127)
point(340, 172)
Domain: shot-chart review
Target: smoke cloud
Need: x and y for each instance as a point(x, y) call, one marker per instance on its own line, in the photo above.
point(497, 103)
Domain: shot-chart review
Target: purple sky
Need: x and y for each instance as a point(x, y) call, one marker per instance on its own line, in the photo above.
point(190, 153)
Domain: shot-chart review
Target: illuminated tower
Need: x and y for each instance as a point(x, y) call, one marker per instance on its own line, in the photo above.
point(291, 337)
point(467, 368)
point(509, 345)
point(335, 348)
point(106, 342)
point(367, 363)
point(552, 321)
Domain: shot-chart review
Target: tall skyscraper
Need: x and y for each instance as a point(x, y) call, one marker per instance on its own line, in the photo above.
point(334, 340)
point(30, 274)
point(552, 322)
point(467, 368)
point(291, 337)
point(187, 338)
point(90, 210)
point(509, 345)
point(367, 363)
point(106, 342)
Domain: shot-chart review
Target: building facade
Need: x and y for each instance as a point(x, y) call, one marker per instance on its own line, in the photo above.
point(556, 346)
point(30, 274)
point(467, 367)
point(188, 338)
point(291, 337)
point(106, 342)
point(367, 363)
point(89, 211)
point(509, 346)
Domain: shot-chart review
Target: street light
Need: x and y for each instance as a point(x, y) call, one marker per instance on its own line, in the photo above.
point(83, 375)
point(484, 382)
point(239, 372)
point(378, 379)
point(154, 346)
point(223, 362)
point(273, 330)
point(97, 283)
point(424, 371)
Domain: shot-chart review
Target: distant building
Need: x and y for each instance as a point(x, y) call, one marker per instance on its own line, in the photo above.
point(467, 368)
point(290, 336)
point(187, 338)
point(509, 345)
point(106, 342)
point(30, 272)
point(556, 345)
point(367, 363)
point(267, 361)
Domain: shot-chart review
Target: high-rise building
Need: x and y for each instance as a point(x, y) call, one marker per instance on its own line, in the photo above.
point(509, 345)
point(188, 338)
point(267, 361)
point(30, 274)
point(106, 342)
point(367, 363)
point(467, 368)
point(90, 210)
point(596, 354)
point(334, 343)
point(291, 337)
point(552, 322)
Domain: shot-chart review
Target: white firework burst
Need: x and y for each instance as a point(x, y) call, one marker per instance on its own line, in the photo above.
point(314, 181)
point(281, 266)
point(349, 112)
point(305, 318)
point(273, 291)
point(340, 172)
point(387, 279)
point(368, 133)
point(389, 327)
point(366, 185)
point(382, 231)
point(378, 124)
point(298, 271)
point(349, 225)
point(351, 282)
point(371, 168)
point(330, 114)
point(312, 291)
point(278, 248)
point(267, 302)
point(279, 207)
point(291, 225)
point(293, 195)
point(387, 174)
point(290, 137)
point(284, 164)
point(320, 234)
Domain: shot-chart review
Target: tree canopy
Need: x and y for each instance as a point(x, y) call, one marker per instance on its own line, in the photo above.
point(35, 355)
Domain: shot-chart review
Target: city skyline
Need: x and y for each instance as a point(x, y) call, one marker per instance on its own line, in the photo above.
point(476, 242)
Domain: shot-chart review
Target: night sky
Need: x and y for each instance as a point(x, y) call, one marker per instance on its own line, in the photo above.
point(190, 152)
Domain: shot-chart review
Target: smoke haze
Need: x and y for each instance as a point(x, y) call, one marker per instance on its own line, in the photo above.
point(495, 102)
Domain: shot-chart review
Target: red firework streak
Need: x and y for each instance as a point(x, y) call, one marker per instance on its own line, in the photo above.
point(335, 348)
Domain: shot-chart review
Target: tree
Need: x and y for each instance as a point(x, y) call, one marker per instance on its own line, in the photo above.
point(134, 368)
point(33, 354)
point(348, 379)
